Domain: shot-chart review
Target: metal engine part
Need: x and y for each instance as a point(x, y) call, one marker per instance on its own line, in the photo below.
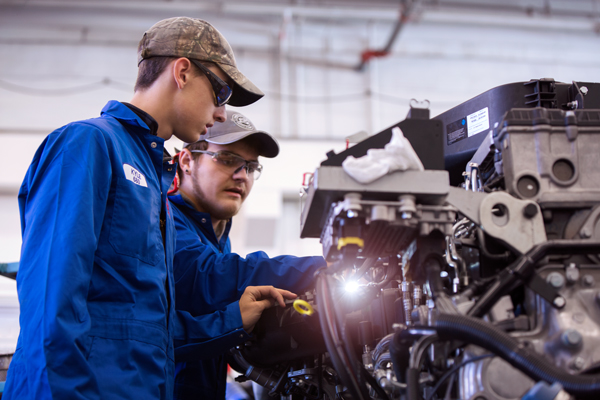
point(550, 156)
point(488, 291)
point(569, 337)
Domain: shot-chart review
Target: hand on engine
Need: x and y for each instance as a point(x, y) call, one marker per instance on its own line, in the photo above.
point(256, 299)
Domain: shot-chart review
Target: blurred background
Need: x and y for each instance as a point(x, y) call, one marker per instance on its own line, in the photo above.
point(330, 69)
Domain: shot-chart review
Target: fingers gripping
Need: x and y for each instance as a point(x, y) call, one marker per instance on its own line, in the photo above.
point(256, 299)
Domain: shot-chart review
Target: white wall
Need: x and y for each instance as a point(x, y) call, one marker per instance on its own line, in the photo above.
point(9, 316)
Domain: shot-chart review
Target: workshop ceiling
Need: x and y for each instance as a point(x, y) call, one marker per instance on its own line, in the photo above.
point(21, 20)
point(306, 55)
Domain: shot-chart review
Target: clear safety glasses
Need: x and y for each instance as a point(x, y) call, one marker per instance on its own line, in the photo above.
point(234, 162)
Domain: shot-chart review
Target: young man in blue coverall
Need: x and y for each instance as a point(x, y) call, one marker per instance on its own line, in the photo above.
point(96, 284)
point(216, 175)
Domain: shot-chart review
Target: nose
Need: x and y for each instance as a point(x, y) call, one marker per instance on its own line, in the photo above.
point(220, 114)
point(241, 173)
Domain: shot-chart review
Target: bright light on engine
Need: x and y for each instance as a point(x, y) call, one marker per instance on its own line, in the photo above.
point(351, 287)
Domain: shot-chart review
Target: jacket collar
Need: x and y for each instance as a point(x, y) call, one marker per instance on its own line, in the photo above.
point(201, 219)
point(124, 114)
point(144, 116)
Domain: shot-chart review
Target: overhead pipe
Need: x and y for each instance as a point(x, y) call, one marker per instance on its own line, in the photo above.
point(367, 55)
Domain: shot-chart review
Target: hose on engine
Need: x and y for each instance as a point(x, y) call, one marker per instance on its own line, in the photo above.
point(400, 352)
point(452, 371)
point(333, 342)
point(524, 266)
point(414, 365)
point(406, 368)
point(263, 376)
point(355, 364)
point(382, 346)
point(485, 335)
point(351, 371)
point(418, 351)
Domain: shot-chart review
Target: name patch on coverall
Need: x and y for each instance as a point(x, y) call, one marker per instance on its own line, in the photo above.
point(134, 175)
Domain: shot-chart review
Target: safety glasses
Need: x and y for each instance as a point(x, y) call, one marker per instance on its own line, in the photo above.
point(221, 90)
point(234, 162)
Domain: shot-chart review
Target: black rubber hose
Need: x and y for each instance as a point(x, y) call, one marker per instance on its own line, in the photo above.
point(347, 341)
point(419, 351)
point(329, 343)
point(412, 384)
point(383, 346)
point(482, 334)
point(524, 266)
point(381, 394)
point(400, 353)
point(334, 347)
point(263, 376)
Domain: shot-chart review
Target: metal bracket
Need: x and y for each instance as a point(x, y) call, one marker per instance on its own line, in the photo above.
point(589, 227)
point(547, 292)
point(467, 202)
point(518, 223)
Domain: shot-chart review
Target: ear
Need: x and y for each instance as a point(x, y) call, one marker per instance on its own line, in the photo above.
point(182, 72)
point(186, 161)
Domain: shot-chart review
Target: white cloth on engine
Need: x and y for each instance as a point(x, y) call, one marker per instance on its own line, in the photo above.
point(398, 155)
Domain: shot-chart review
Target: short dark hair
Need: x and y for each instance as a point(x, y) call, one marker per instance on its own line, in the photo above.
point(150, 69)
point(202, 145)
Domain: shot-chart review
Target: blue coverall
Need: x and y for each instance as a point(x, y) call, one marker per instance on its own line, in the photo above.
point(95, 283)
point(207, 271)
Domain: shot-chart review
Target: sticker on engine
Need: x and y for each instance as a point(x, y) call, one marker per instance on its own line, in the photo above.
point(456, 131)
point(478, 122)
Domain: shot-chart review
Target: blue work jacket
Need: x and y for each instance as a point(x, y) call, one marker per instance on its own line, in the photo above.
point(95, 281)
point(206, 271)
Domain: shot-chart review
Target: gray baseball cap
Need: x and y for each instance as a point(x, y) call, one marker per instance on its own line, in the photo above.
point(237, 127)
point(197, 39)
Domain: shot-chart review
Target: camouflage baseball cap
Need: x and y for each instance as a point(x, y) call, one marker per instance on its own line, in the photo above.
point(199, 40)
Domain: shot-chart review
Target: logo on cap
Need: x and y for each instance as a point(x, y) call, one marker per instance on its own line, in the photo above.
point(242, 122)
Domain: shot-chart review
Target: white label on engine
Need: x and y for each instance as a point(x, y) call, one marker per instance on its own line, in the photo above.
point(134, 175)
point(478, 122)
